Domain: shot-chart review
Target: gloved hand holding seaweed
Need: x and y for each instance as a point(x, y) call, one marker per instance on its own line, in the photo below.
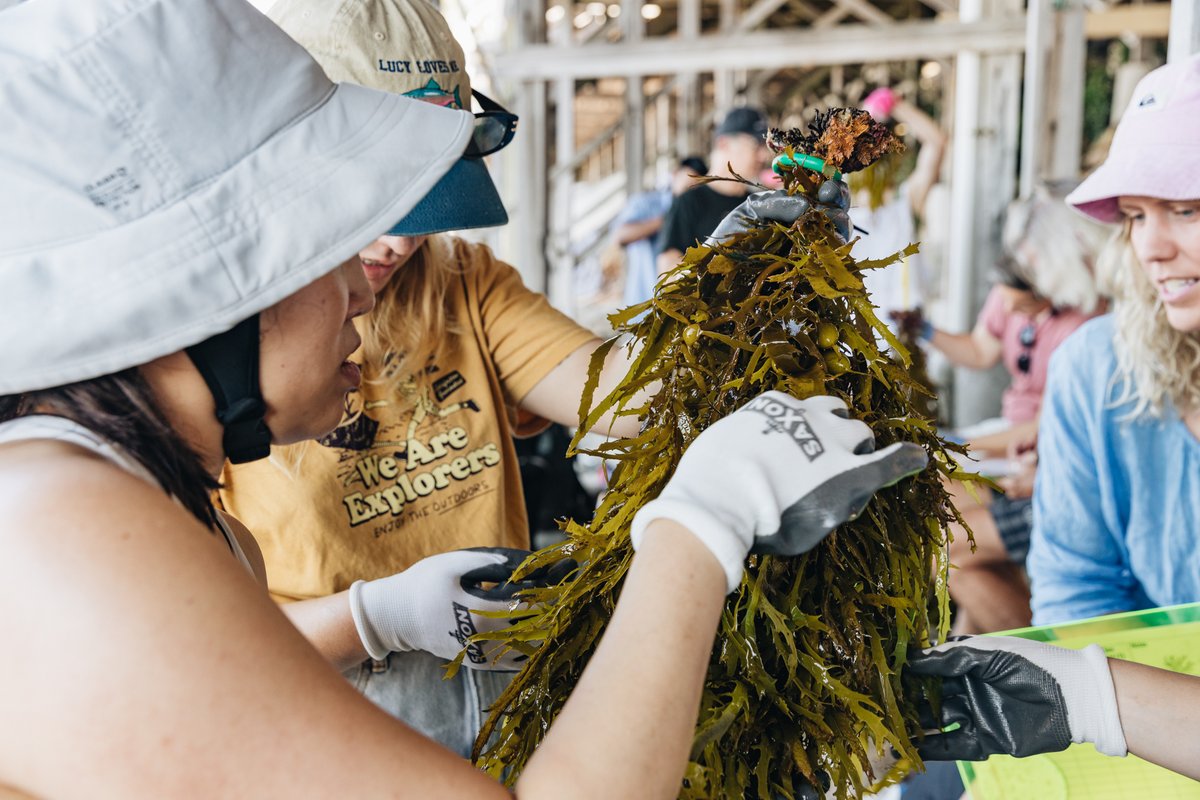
point(833, 198)
point(804, 682)
point(1018, 697)
point(435, 605)
point(809, 470)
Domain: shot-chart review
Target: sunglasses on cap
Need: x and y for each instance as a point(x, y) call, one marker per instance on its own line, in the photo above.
point(494, 128)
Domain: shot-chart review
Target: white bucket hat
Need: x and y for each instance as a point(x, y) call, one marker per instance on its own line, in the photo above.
point(169, 168)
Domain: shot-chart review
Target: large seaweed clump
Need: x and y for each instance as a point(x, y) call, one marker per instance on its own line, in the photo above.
point(804, 684)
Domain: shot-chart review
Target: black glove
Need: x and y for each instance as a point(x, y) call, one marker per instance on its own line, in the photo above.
point(1018, 697)
point(833, 198)
point(501, 574)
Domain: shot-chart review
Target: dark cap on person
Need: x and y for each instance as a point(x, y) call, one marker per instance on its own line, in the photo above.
point(694, 165)
point(744, 120)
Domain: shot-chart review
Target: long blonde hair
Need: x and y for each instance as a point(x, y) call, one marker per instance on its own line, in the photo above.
point(1157, 366)
point(411, 322)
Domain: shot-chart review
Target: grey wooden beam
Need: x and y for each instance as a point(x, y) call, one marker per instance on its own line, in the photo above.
point(774, 49)
point(757, 14)
point(866, 11)
point(831, 17)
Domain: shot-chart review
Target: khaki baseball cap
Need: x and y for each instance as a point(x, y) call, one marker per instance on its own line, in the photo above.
point(404, 47)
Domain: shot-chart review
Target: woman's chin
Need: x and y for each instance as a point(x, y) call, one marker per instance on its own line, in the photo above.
point(1184, 320)
point(316, 426)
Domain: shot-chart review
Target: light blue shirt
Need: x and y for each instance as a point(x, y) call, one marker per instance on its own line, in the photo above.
point(641, 268)
point(1117, 501)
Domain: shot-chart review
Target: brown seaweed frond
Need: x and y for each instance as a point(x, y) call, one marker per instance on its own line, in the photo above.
point(849, 139)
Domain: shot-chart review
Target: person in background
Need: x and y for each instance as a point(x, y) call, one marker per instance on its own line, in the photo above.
point(739, 149)
point(1117, 503)
point(1045, 289)
point(638, 225)
point(887, 207)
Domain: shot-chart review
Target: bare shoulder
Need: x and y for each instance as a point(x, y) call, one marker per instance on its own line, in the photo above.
point(132, 637)
point(44, 482)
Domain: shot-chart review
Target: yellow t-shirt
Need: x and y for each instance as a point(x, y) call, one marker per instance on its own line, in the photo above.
point(434, 469)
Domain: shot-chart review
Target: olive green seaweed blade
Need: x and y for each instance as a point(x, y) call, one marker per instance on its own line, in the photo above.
point(804, 684)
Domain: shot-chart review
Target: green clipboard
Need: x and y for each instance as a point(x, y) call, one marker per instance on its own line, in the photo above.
point(1162, 637)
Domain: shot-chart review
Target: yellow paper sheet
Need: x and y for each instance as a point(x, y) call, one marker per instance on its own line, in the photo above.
point(1161, 637)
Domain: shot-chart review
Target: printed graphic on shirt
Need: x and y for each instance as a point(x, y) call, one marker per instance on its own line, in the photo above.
point(396, 467)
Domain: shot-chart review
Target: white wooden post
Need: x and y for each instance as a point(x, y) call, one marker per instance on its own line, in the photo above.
point(724, 77)
point(1184, 39)
point(664, 158)
point(532, 175)
point(1070, 60)
point(561, 285)
point(1039, 32)
point(687, 111)
point(633, 31)
point(984, 146)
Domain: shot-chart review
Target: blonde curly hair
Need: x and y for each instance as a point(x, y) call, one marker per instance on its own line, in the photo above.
point(1158, 367)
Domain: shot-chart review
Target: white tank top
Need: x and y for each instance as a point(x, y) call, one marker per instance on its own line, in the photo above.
point(43, 426)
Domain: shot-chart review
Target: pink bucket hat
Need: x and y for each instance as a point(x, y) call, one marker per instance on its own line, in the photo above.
point(1156, 149)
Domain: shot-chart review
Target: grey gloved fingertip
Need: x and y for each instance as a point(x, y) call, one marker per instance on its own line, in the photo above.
point(840, 220)
point(906, 460)
point(834, 192)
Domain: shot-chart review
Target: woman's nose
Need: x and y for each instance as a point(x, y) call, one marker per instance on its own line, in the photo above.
point(401, 246)
point(1153, 240)
point(361, 298)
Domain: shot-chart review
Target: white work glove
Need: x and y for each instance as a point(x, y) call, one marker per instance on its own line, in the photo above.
point(431, 605)
point(776, 476)
point(1019, 697)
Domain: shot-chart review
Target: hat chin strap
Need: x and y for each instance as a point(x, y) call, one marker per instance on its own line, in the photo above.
point(228, 362)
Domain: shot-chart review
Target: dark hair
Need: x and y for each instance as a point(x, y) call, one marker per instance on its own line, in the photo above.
point(122, 409)
point(694, 164)
point(1007, 271)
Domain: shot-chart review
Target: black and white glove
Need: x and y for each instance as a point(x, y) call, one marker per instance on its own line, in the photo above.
point(1019, 697)
point(833, 198)
point(776, 476)
point(431, 605)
